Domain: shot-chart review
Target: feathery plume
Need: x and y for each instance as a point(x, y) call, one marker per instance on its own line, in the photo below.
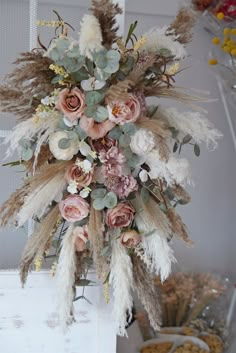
point(90, 39)
point(183, 24)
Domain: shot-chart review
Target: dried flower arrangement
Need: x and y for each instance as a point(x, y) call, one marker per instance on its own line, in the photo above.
point(222, 9)
point(99, 162)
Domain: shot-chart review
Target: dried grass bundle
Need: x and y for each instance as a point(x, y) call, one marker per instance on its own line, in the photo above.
point(119, 91)
point(38, 242)
point(31, 77)
point(158, 127)
point(106, 11)
point(11, 207)
point(178, 228)
point(146, 60)
point(145, 289)
point(96, 237)
point(181, 194)
point(183, 24)
point(44, 156)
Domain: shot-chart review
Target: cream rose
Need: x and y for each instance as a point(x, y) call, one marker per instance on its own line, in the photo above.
point(71, 103)
point(74, 208)
point(142, 142)
point(124, 112)
point(81, 238)
point(60, 153)
point(120, 216)
point(130, 238)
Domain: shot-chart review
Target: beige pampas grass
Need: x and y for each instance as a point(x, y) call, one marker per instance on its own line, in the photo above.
point(158, 127)
point(178, 228)
point(65, 277)
point(144, 286)
point(38, 242)
point(183, 24)
point(119, 91)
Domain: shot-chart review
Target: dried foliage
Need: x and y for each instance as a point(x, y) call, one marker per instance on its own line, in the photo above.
point(11, 207)
point(144, 286)
point(31, 78)
point(181, 194)
point(145, 61)
point(120, 89)
point(158, 127)
point(178, 228)
point(105, 11)
point(44, 156)
point(183, 24)
point(37, 243)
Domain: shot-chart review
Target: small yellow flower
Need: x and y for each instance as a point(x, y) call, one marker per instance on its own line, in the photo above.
point(227, 31)
point(226, 49)
point(233, 31)
point(233, 52)
point(173, 69)
point(212, 61)
point(38, 264)
point(106, 287)
point(53, 269)
point(220, 16)
point(216, 40)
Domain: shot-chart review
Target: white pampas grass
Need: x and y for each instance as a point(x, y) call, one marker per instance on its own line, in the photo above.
point(156, 39)
point(192, 123)
point(65, 277)
point(121, 278)
point(38, 200)
point(173, 171)
point(90, 39)
point(155, 246)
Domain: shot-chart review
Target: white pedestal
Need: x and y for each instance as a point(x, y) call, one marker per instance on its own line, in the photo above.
point(28, 319)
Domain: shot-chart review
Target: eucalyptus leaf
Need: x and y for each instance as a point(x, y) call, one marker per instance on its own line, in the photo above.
point(80, 75)
point(186, 139)
point(98, 193)
point(145, 195)
point(100, 59)
point(82, 134)
point(129, 128)
point(110, 200)
point(24, 143)
point(90, 66)
point(81, 223)
point(90, 111)
point(26, 154)
point(57, 79)
point(101, 114)
point(98, 204)
point(165, 52)
point(101, 75)
point(115, 133)
point(197, 150)
point(133, 161)
point(72, 135)
point(124, 140)
point(93, 97)
point(175, 147)
point(62, 125)
point(64, 143)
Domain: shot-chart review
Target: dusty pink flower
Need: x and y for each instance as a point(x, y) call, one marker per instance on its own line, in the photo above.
point(81, 238)
point(121, 186)
point(130, 239)
point(77, 174)
point(74, 208)
point(71, 103)
point(103, 144)
point(93, 129)
point(113, 161)
point(124, 112)
point(120, 216)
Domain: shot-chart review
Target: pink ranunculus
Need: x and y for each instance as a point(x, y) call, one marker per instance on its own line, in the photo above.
point(130, 239)
point(71, 103)
point(77, 174)
point(93, 129)
point(121, 186)
point(103, 144)
point(81, 238)
point(124, 112)
point(74, 208)
point(113, 161)
point(120, 216)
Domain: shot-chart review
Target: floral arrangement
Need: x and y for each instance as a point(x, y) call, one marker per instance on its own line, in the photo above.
point(102, 179)
point(222, 9)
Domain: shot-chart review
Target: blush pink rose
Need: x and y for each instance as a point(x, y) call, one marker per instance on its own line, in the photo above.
point(130, 239)
point(122, 186)
point(81, 238)
point(77, 174)
point(74, 208)
point(120, 216)
point(113, 161)
point(71, 103)
point(124, 112)
point(93, 129)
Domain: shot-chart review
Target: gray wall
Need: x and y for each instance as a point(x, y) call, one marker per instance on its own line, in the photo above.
point(211, 215)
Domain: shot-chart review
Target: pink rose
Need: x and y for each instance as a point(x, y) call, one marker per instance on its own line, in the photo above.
point(81, 238)
point(122, 186)
point(124, 112)
point(74, 208)
point(77, 174)
point(113, 161)
point(93, 129)
point(120, 216)
point(130, 239)
point(71, 103)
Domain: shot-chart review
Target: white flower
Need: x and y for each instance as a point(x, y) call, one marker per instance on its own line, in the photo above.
point(86, 150)
point(85, 192)
point(45, 100)
point(92, 84)
point(143, 175)
point(70, 123)
point(142, 142)
point(90, 40)
point(86, 165)
point(60, 153)
point(72, 187)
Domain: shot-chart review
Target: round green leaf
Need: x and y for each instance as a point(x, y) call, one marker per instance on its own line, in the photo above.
point(124, 140)
point(197, 150)
point(98, 204)
point(26, 154)
point(93, 97)
point(64, 143)
point(115, 133)
point(101, 114)
point(98, 193)
point(110, 200)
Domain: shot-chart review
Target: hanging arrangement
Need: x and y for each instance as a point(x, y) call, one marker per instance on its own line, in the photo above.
point(103, 175)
